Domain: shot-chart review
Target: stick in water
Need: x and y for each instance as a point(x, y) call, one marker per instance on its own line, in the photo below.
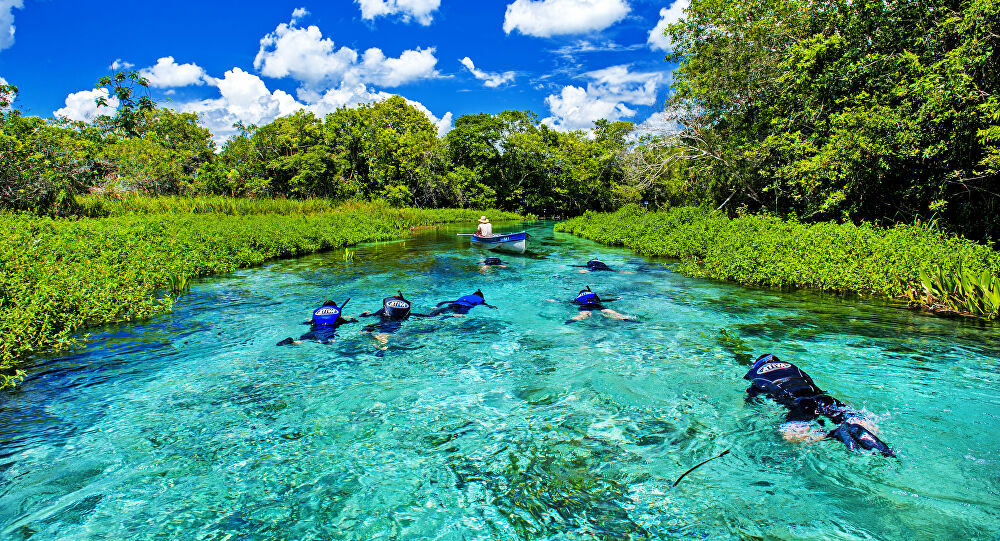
point(700, 464)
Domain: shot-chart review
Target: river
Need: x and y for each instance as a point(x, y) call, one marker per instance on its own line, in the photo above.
point(506, 423)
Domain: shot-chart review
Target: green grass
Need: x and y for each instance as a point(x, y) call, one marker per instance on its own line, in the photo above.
point(771, 252)
point(60, 276)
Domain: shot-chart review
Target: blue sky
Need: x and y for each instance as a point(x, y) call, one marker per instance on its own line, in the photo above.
point(569, 61)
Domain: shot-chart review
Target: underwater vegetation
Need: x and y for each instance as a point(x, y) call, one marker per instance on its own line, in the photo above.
point(915, 262)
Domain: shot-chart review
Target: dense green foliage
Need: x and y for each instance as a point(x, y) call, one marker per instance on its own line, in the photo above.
point(861, 110)
point(384, 151)
point(768, 251)
point(60, 276)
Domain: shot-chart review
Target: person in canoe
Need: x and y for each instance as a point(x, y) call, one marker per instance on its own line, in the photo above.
point(394, 311)
point(324, 323)
point(594, 265)
point(485, 229)
point(462, 305)
point(588, 302)
point(789, 386)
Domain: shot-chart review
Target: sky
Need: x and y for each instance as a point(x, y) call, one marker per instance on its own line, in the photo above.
point(568, 61)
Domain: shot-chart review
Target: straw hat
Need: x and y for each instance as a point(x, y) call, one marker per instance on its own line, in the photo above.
point(483, 220)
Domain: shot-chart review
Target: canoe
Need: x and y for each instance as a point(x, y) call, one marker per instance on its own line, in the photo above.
point(510, 242)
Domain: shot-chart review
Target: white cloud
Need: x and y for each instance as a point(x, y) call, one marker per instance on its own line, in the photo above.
point(419, 10)
point(298, 14)
point(442, 124)
point(491, 80)
point(632, 87)
point(661, 124)
point(412, 65)
point(243, 98)
point(576, 108)
point(82, 105)
point(120, 64)
point(167, 74)
point(546, 18)
point(305, 55)
point(605, 96)
point(668, 16)
point(7, 21)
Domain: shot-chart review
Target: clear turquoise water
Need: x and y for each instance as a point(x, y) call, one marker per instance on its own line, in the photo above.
point(506, 424)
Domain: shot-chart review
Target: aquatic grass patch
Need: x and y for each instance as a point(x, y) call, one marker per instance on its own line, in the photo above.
point(59, 277)
point(767, 251)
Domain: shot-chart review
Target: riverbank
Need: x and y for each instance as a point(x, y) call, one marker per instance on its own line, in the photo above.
point(60, 276)
point(916, 263)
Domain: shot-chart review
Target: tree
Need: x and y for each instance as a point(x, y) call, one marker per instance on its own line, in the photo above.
point(131, 108)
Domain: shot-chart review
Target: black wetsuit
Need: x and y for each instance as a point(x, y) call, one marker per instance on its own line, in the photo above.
point(788, 385)
point(394, 311)
point(491, 261)
point(597, 265)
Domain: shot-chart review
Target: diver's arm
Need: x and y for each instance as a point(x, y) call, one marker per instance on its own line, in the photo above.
point(489, 305)
point(611, 300)
point(438, 305)
point(855, 436)
point(310, 322)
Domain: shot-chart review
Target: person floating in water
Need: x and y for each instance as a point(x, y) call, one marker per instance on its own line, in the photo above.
point(588, 302)
point(462, 305)
point(492, 261)
point(791, 387)
point(394, 311)
point(325, 321)
point(594, 265)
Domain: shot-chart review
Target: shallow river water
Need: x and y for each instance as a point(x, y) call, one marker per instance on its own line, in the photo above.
point(504, 424)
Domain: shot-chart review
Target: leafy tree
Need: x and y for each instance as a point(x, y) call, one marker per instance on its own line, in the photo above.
point(864, 110)
point(132, 107)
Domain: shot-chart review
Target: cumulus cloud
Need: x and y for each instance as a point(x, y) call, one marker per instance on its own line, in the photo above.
point(491, 80)
point(306, 56)
point(168, 74)
point(7, 21)
point(298, 14)
point(657, 38)
point(83, 106)
point(120, 64)
point(243, 98)
point(546, 18)
point(442, 124)
point(412, 65)
point(605, 96)
point(417, 10)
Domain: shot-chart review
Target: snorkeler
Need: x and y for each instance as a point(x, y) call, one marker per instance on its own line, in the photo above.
point(493, 261)
point(588, 302)
point(324, 321)
point(594, 265)
point(462, 305)
point(791, 387)
point(394, 311)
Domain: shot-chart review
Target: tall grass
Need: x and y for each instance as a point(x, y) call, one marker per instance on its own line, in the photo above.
point(60, 276)
point(92, 206)
point(767, 251)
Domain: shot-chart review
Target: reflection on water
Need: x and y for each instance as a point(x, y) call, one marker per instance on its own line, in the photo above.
point(505, 424)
